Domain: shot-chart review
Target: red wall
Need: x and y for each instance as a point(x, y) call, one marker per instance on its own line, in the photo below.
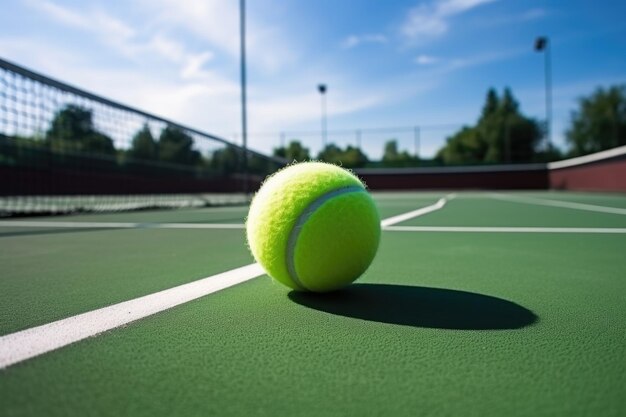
point(604, 175)
point(601, 176)
point(427, 179)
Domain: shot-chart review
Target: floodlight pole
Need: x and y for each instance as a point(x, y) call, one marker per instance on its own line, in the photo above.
point(322, 89)
point(416, 137)
point(244, 118)
point(542, 44)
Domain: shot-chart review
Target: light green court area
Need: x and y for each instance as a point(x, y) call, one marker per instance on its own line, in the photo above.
point(490, 212)
point(472, 324)
point(603, 199)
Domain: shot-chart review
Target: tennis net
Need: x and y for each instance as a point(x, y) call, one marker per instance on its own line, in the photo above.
point(63, 149)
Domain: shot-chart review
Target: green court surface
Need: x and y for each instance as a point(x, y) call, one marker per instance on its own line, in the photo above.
point(469, 322)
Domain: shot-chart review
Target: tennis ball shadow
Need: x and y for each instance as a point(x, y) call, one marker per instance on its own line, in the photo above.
point(436, 308)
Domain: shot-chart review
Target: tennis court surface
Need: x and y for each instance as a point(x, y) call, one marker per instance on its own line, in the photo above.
point(482, 304)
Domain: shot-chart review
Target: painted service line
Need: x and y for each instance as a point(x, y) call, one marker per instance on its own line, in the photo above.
point(117, 225)
point(608, 230)
point(558, 203)
point(26, 344)
point(417, 213)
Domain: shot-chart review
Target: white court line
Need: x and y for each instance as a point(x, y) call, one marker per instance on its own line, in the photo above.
point(117, 225)
point(585, 159)
point(609, 230)
point(416, 213)
point(29, 343)
point(26, 344)
point(557, 203)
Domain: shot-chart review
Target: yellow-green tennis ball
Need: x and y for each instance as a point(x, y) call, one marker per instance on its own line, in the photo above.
point(313, 227)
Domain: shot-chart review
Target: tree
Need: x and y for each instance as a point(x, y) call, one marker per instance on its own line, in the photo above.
point(176, 146)
point(353, 157)
point(465, 147)
point(293, 152)
point(599, 123)
point(226, 160)
point(143, 145)
point(72, 129)
point(502, 134)
point(392, 157)
point(331, 154)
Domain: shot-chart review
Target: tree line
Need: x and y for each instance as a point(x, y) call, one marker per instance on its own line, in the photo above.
point(72, 135)
point(502, 134)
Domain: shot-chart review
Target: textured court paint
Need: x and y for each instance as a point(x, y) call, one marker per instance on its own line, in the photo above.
point(30, 343)
point(301, 221)
point(617, 200)
point(239, 351)
point(234, 352)
point(562, 204)
point(47, 275)
point(415, 213)
point(482, 211)
point(391, 207)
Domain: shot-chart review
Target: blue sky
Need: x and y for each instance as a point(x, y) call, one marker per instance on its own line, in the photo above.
point(386, 63)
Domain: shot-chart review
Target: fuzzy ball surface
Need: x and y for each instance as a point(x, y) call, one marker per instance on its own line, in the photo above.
point(313, 227)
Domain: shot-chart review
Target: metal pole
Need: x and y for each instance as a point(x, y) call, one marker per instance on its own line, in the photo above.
point(358, 138)
point(322, 90)
point(548, 76)
point(244, 121)
point(282, 139)
point(416, 132)
point(542, 44)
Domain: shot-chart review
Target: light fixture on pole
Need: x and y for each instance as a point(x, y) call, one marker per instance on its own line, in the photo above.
point(542, 44)
point(322, 89)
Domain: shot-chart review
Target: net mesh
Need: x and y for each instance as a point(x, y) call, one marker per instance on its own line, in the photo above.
point(64, 150)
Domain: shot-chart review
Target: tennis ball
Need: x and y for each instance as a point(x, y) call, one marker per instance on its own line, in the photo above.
point(313, 227)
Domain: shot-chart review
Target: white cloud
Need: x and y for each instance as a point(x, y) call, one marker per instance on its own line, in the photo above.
point(192, 82)
point(193, 67)
point(121, 38)
point(60, 14)
point(166, 47)
point(534, 14)
point(108, 28)
point(354, 40)
point(430, 20)
point(426, 60)
point(217, 22)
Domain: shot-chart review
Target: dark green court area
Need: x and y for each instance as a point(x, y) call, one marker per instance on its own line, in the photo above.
point(471, 323)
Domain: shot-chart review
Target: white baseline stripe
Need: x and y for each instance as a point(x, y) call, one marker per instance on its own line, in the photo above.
point(557, 203)
point(117, 225)
point(611, 230)
point(29, 343)
point(416, 213)
point(26, 344)
point(598, 156)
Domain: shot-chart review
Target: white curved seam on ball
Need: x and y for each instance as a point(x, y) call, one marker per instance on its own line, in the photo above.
point(300, 222)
